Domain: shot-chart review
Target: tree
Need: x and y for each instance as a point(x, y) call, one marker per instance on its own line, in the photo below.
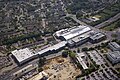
point(118, 42)
point(78, 50)
point(97, 47)
point(91, 48)
point(41, 61)
point(74, 51)
point(114, 40)
point(114, 35)
point(118, 24)
point(85, 49)
point(64, 54)
point(79, 15)
point(40, 69)
point(72, 54)
point(103, 44)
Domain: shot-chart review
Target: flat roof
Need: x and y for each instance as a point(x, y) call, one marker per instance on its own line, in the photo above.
point(81, 37)
point(70, 41)
point(39, 76)
point(54, 47)
point(114, 44)
point(79, 55)
point(76, 33)
point(97, 36)
point(22, 54)
point(115, 54)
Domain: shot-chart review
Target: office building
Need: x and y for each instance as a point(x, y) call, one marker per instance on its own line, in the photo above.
point(23, 55)
point(81, 59)
point(97, 37)
point(114, 46)
point(114, 57)
point(53, 48)
point(76, 41)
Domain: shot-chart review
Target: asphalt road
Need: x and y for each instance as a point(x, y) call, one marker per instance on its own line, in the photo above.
point(107, 22)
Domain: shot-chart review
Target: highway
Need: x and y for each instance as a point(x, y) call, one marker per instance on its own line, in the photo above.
point(107, 22)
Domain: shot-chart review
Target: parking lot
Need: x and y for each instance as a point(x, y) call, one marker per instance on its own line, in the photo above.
point(96, 57)
point(102, 74)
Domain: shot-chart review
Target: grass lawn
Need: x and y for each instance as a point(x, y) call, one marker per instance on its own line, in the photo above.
point(104, 50)
point(109, 12)
point(111, 27)
point(103, 15)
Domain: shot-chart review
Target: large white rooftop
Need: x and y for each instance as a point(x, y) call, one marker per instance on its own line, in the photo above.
point(54, 47)
point(72, 32)
point(22, 54)
point(81, 37)
point(25, 54)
